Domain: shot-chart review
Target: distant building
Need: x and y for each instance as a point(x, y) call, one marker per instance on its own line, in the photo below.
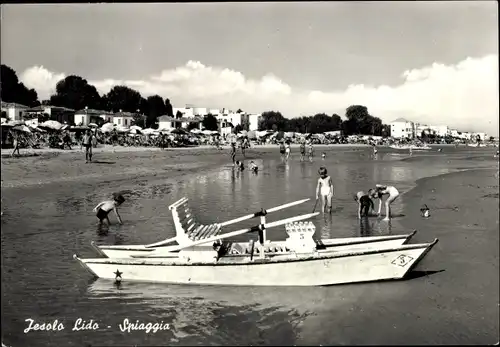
point(13, 111)
point(402, 128)
point(63, 115)
point(225, 127)
point(169, 123)
point(123, 119)
point(253, 120)
point(87, 116)
point(240, 119)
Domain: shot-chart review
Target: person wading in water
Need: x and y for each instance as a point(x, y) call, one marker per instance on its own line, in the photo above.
point(233, 151)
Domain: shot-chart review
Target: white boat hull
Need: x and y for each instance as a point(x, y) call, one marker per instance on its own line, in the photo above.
point(300, 270)
point(331, 245)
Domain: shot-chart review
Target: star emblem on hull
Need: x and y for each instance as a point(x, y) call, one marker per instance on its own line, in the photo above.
point(118, 275)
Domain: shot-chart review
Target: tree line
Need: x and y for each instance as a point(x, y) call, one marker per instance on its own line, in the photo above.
point(76, 93)
point(358, 121)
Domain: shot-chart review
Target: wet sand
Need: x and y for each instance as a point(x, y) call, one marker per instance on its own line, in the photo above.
point(455, 299)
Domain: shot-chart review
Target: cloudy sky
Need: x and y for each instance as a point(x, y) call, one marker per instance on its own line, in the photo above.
point(432, 62)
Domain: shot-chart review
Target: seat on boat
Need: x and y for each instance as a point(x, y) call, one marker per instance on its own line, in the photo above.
point(187, 229)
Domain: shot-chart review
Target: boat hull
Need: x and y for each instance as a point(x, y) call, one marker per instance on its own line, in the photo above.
point(302, 270)
point(331, 245)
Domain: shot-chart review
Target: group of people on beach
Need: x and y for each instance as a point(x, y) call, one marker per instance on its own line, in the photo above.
point(324, 189)
point(325, 192)
point(285, 151)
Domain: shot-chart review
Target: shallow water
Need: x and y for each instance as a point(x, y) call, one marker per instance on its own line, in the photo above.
point(43, 227)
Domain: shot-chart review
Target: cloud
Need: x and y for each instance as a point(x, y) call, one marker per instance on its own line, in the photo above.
point(42, 80)
point(462, 95)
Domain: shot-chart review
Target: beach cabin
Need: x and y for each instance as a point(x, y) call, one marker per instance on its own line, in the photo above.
point(13, 111)
point(124, 119)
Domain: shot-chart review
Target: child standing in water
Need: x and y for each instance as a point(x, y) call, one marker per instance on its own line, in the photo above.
point(311, 151)
point(282, 150)
point(324, 189)
point(302, 150)
point(287, 150)
point(105, 207)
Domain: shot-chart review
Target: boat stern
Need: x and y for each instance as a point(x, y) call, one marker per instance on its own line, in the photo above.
point(82, 263)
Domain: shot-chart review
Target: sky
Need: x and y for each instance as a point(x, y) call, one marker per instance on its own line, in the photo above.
point(429, 62)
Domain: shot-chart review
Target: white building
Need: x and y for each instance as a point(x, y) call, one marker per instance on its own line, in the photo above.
point(124, 119)
point(240, 118)
point(200, 111)
point(87, 116)
point(253, 120)
point(61, 114)
point(187, 112)
point(439, 130)
point(168, 123)
point(13, 111)
point(402, 128)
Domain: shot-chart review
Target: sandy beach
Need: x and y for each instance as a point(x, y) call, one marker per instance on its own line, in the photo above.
point(37, 166)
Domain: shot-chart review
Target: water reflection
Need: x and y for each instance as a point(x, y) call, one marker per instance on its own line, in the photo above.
point(243, 315)
point(365, 227)
point(326, 226)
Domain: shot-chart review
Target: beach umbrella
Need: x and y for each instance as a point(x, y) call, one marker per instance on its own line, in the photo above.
point(134, 131)
point(14, 123)
point(206, 132)
point(122, 129)
point(136, 127)
point(93, 125)
point(196, 131)
point(148, 131)
point(108, 127)
point(22, 128)
point(179, 131)
point(252, 134)
point(51, 124)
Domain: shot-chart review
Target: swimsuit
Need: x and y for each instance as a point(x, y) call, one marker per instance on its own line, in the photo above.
point(365, 203)
point(101, 214)
point(325, 186)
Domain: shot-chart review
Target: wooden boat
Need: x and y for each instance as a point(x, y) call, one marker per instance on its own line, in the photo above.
point(186, 226)
point(298, 261)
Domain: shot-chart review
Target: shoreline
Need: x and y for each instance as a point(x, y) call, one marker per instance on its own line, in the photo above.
point(114, 149)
